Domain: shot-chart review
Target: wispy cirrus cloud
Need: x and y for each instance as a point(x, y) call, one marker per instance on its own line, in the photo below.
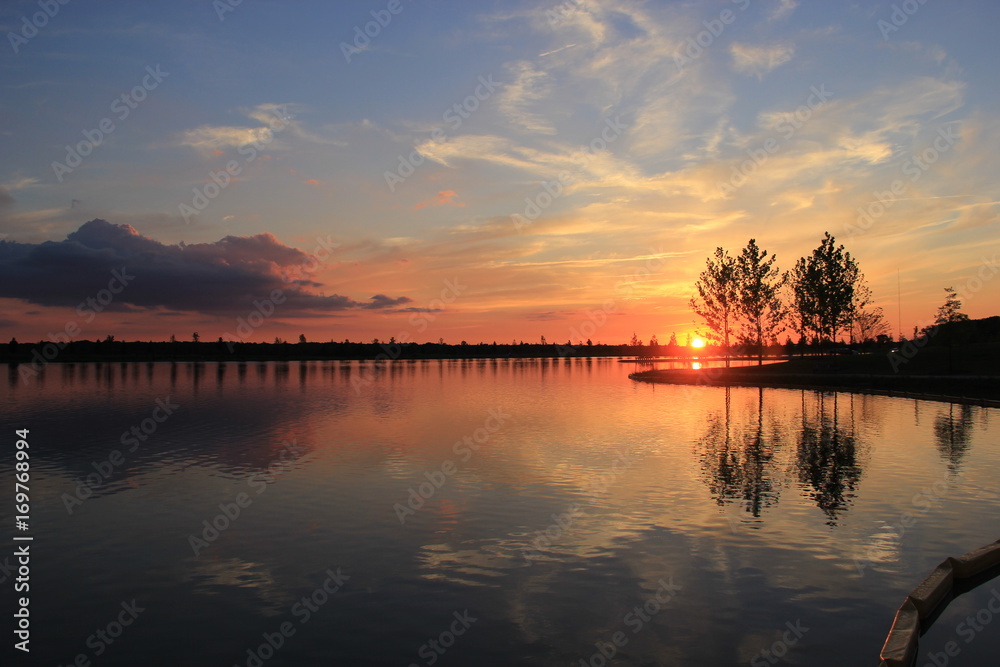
point(758, 60)
point(518, 100)
point(207, 139)
point(783, 9)
point(272, 119)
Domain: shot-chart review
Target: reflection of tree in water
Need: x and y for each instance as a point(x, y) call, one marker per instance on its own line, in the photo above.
point(953, 433)
point(827, 457)
point(741, 468)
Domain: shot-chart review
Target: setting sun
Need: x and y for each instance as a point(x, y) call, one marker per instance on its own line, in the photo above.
point(698, 342)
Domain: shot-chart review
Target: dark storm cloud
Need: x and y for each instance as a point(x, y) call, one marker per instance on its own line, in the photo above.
point(224, 276)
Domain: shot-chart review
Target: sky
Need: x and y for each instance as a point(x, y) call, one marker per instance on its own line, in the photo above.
point(489, 171)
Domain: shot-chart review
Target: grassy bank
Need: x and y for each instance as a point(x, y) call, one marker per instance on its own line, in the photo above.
point(970, 372)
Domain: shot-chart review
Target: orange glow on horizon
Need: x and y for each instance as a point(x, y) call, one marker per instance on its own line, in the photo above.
point(698, 342)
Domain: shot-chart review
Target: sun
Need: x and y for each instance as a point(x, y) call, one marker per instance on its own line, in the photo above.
point(698, 342)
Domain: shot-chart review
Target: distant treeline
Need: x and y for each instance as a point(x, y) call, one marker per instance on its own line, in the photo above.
point(42, 352)
point(225, 350)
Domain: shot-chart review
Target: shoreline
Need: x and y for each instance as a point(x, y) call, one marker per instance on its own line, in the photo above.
point(982, 390)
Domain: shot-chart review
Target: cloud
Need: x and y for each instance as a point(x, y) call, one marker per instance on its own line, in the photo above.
point(414, 309)
point(759, 60)
point(380, 301)
point(274, 116)
point(272, 119)
point(226, 276)
point(529, 87)
point(445, 197)
point(210, 139)
point(783, 9)
point(21, 183)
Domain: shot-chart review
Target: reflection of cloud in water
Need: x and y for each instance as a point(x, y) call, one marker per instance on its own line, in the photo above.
point(883, 546)
point(218, 576)
point(466, 566)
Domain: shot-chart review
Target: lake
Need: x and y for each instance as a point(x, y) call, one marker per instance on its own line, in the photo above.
point(483, 512)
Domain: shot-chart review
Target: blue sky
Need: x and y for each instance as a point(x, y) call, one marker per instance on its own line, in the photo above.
point(622, 133)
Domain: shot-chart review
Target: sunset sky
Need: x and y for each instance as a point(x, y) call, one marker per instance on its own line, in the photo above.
point(483, 171)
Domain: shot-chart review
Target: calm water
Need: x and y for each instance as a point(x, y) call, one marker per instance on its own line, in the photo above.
point(513, 512)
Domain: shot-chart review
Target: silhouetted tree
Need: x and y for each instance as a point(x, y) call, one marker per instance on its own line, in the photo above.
point(302, 338)
point(195, 337)
point(718, 297)
point(823, 286)
point(867, 319)
point(759, 283)
point(950, 311)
